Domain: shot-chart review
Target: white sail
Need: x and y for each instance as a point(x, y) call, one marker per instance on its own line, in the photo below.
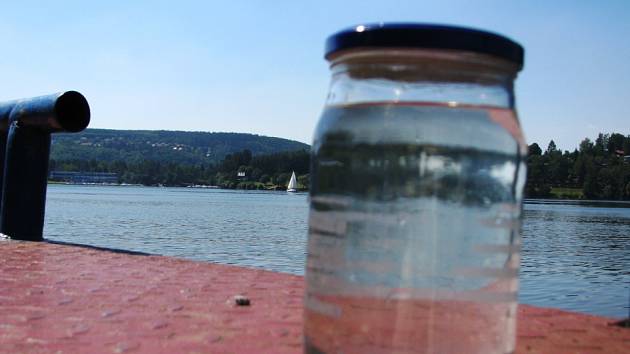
point(292, 184)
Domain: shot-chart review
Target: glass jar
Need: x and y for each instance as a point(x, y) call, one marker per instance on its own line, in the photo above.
point(417, 174)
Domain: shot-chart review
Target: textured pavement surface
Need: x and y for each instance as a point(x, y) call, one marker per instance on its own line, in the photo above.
point(67, 299)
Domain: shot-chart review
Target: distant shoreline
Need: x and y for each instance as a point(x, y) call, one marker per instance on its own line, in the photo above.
point(525, 201)
point(273, 189)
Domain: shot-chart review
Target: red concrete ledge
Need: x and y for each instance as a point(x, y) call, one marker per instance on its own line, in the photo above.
point(66, 299)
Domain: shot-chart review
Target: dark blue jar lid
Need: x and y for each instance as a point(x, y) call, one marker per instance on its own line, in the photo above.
point(415, 35)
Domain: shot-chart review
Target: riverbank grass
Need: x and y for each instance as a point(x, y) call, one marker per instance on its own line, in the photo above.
point(566, 193)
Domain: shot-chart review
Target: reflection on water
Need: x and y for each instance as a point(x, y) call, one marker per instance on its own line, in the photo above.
point(258, 229)
point(576, 256)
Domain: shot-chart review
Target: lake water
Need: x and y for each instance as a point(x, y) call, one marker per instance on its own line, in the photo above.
point(575, 256)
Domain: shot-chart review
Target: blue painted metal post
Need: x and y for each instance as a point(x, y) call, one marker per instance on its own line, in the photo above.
point(25, 128)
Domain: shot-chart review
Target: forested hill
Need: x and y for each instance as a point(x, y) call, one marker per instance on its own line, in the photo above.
point(135, 146)
point(598, 170)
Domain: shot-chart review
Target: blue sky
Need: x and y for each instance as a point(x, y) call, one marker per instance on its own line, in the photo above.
point(258, 67)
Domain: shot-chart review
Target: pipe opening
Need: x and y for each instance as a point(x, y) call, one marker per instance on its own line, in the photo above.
point(72, 111)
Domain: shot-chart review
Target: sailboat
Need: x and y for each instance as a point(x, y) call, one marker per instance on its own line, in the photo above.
point(292, 187)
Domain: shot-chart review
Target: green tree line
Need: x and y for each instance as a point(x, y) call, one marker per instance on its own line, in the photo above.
point(271, 171)
point(597, 170)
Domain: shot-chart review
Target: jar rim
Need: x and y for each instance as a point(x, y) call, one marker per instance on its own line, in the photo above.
point(424, 36)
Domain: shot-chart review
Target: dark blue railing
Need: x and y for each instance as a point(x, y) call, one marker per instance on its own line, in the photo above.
point(25, 128)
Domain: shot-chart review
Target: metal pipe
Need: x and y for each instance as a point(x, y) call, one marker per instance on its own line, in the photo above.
point(25, 128)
